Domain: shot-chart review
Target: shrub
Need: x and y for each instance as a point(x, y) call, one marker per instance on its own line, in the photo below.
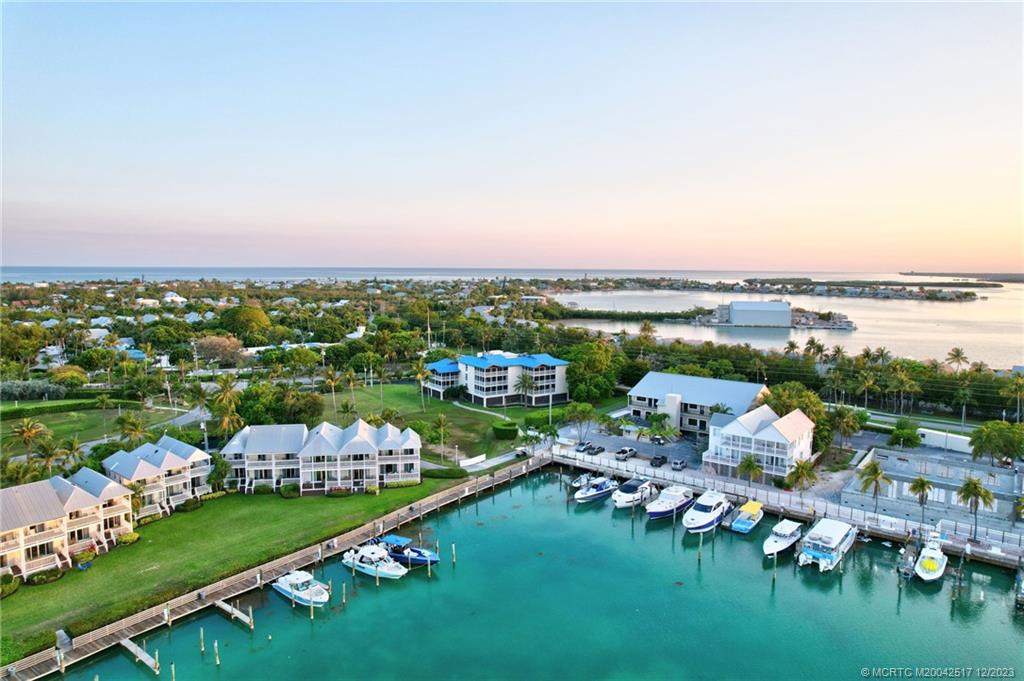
point(8, 585)
point(147, 520)
point(263, 489)
point(60, 406)
point(31, 390)
point(505, 430)
point(536, 419)
point(213, 495)
point(445, 473)
point(45, 577)
point(289, 491)
point(69, 376)
point(85, 557)
point(402, 483)
point(189, 505)
point(128, 538)
point(372, 489)
point(339, 492)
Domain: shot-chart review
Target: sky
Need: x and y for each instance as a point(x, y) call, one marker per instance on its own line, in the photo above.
point(862, 137)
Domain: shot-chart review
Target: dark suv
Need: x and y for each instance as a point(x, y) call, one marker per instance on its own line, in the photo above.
point(659, 460)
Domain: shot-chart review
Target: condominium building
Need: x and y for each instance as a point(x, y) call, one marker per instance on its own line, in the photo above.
point(496, 378)
point(169, 470)
point(689, 400)
point(45, 524)
point(325, 458)
point(776, 442)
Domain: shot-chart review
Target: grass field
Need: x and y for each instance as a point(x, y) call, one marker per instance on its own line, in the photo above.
point(183, 552)
point(87, 424)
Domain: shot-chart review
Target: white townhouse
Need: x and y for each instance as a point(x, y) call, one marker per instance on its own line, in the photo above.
point(776, 442)
point(494, 378)
point(170, 471)
point(44, 524)
point(325, 458)
point(688, 400)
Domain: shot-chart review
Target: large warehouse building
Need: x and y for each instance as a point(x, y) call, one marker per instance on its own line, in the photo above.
point(756, 313)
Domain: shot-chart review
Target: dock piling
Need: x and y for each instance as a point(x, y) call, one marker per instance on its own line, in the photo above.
point(344, 596)
point(216, 653)
point(311, 611)
point(453, 553)
point(172, 672)
point(376, 571)
point(202, 643)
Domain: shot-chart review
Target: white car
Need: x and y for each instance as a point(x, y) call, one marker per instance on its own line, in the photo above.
point(625, 454)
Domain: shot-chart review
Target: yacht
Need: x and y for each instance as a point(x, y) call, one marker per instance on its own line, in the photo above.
point(826, 544)
point(299, 586)
point(634, 493)
point(746, 517)
point(582, 481)
point(598, 488)
point(784, 534)
point(401, 549)
point(931, 562)
point(672, 500)
point(373, 560)
point(707, 512)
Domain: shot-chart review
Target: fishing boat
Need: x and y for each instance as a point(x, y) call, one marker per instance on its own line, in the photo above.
point(746, 517)
point(299, 586)
point(672, 500)
point(634, 493)
point(826, 544)
point(599, 488)
point(707, 512)
point(582, 481)
point(373, 560)
point(784, 534)
point(931, 563)
point(401, 549)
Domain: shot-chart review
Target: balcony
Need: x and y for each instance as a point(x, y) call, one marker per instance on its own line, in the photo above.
point(116, 509)
point(154, 487)
point(41, 563)
point(83, 521)
point(200, 471)
point(150, 509)
point(84, 545)
point(179, 498)
point(201, 490)
point(176, 479)
point(45, 536)
point(9, 545)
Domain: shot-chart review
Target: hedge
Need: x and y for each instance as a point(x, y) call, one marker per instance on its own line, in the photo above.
point(8, 585)
point(290, 491)
point(402, 483)
point(60, 406)
point(536, 419)
point(445, 473)
point(148, 519)
point(31, 390)
point(340, 492)
point(128, 538)
point(190, 504)
point(87, 556)
point(263, 489)
point(45, 577)
point(505, 430)
point(213, 495)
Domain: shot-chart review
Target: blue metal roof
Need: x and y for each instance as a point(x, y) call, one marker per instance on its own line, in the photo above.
point(444, 366)
point(529, 361)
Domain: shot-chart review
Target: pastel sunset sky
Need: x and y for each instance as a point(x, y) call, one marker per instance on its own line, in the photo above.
point(867, 137)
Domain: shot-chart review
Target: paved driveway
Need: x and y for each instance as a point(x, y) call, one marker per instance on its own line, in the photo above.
point(683, 448)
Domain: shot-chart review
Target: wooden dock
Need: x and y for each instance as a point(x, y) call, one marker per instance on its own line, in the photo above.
point(141, 655)
point(236, 614)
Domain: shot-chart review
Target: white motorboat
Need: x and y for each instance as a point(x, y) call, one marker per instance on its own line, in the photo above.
point(299, 586)
point(582, 481)
point(707, 512)
point(826, 544)
point(931, 562)
point(784, 534)
point(634, 493)
point(599, 488)
point(672, 500)
point(373, 560)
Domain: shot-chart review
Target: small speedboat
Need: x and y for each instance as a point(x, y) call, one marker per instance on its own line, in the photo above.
point(707, 512)
point(401, 549)
point(373, 560)
point(672, 500)
point(747, 517)
point(931, 562)
point(582, 481)
point(299, 586)
point(784, 534)
point(599, 488)
point(634, 493)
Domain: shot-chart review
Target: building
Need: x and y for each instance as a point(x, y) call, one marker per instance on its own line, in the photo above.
point(45, 524)
point(169, 470)
point(325, 458)
point(775, 313)
point(776, 442)
point(688, 400)
point(494, 378)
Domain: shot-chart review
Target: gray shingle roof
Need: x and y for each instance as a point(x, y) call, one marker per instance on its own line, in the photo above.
point(98, 485)
point(24, 505)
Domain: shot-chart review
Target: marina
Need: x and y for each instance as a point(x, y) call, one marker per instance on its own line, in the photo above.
point(527, 533)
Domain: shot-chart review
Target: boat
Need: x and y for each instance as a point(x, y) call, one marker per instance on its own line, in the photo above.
point(373, 560)
point(672, 500)
point(931, 563)
point(634, 493)
point(599, 488)
point(707, 512)
point(582, 481)
point(299, 586)
point(746, 517)
point(784, 534)
point(826, 544)
point(401, 549)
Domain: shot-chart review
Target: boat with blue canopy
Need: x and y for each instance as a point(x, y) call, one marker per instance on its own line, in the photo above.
point(401, 549)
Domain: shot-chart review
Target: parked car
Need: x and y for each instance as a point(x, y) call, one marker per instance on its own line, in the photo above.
point(678, 464)
point(522, 453)
point(597, 449)
point(658, 440)
point(583, 446)
point(659, 460)
point(625, 454)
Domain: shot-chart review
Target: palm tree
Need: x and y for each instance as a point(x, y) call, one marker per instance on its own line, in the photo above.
point(988, 439)
point(956, 358)
point(1018, 511)
point(104, 403)
point(49, 452)
point(441, 424)
point(867, 383)
point(922, 487)
point(749, 467)
point(760, 369)
point(27, 431)
point(974, 494)
point(381, 378)
point(227, 394)
point(845, 422)
point(199, 397)
point(389, 414)
point(422, 373)
point(792, 347)
point(331, 379)
point(963, 396)
point(803, 475)
point(523, 385)
point(132, 428)
point(347, 410)
point(72, 451)
point(872, 477)
point(228, 420)
point(351, 381)
point(1014, 390)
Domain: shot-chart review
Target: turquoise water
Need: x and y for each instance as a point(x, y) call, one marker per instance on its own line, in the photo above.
point(543, 589)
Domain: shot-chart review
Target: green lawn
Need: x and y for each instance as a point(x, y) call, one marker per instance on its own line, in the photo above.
point(184, 552)
point(519, 413)
point(87, 424)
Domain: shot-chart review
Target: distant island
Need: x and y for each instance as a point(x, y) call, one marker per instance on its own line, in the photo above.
point(1005, 277)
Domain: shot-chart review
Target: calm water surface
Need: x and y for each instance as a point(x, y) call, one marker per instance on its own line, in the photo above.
point(547, 590)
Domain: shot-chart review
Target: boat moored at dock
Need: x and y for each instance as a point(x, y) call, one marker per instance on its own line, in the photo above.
point(402, 550)
point(375, 561)
point(634, 492)
point(826, 544)
point(707, 512)
point(931, 563)
point(672, 500)
point(582, 481)
point(746, 517)
point(597, 489)
point(784, 534)
point(300, 587)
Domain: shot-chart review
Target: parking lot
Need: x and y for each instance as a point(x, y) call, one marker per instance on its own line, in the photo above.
point(684, 448)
